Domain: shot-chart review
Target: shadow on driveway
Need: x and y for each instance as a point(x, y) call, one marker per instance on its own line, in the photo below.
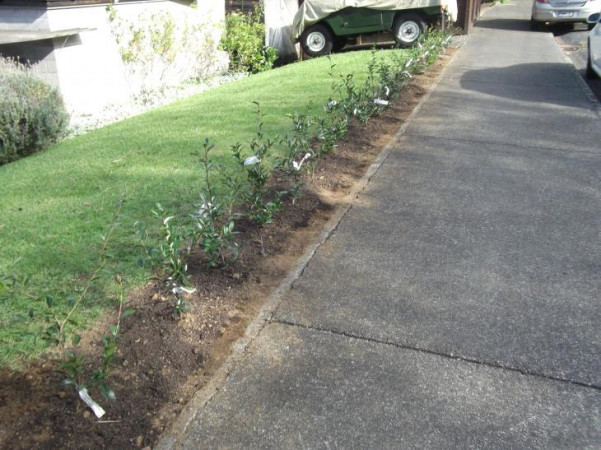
point(553, 83)
point(505, 24)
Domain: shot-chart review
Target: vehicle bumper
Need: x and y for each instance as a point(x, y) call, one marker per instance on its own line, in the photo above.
point(542, 12)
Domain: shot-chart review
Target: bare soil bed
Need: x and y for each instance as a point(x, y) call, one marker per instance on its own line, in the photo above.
point(163, 360)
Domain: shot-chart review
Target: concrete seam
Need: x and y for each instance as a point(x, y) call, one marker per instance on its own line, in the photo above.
point(173, 437)
point(496, 365)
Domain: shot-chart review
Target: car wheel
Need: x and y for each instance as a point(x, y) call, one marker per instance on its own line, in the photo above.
point(317, 40)
point(407, 29)
point(339, 43)
point(590, 73)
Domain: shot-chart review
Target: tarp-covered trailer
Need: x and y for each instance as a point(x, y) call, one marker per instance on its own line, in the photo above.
point(323, 26)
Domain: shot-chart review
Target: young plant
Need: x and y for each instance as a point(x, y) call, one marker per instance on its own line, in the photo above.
point(175, 246)
point(261, 209)
point(214, 221)
point(297, 152)
point(101, 375)
point(64, 333)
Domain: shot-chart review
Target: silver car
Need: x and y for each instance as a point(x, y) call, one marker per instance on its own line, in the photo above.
point(562, 11)
point(593, 66)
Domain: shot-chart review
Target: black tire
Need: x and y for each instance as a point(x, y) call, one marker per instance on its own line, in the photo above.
point(317, 40)
point(339, 43)
point(590, 73)
point(407, 29)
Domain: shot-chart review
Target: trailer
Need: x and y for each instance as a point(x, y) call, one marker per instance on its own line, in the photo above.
point(323, 26)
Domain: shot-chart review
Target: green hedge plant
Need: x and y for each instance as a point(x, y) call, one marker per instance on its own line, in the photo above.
point(32, 113)
point(244, 41)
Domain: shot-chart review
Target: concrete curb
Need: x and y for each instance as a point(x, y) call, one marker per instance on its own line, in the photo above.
point(172, 438)
point(588, 92)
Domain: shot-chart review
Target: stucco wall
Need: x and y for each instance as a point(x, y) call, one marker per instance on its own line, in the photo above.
point(91, 68)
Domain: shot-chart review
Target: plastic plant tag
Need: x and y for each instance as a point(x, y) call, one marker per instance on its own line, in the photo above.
point(297, 165)
point(251, 160)
point(96, 408)
point(180, 289)
point(379, 101)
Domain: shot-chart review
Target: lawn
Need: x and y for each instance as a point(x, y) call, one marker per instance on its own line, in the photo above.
point(57, 204)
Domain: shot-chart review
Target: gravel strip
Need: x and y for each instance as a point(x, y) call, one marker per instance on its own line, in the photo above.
point(83, 123)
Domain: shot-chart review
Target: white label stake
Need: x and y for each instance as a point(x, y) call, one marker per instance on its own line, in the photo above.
point(83, 394)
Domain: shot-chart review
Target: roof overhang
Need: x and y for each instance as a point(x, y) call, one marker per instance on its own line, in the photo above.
point(17, 36)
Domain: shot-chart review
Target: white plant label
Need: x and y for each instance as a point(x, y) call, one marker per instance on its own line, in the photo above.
point(96, 408)
point(251, 160)
point(379, 101)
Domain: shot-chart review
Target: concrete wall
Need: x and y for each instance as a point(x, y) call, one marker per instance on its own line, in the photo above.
point(89, 67)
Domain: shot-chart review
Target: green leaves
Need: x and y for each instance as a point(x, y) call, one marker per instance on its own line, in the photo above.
point(33, 113)
point(244, 40)
point(107, 392)
point(128, 312)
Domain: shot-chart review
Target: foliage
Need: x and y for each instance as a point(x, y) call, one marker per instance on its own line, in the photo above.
point(214, 220)
point(56, 204)
point(254, 164)
point(64, 328)
point(162, 47)
point(244, 41)
point(174, 247)
point(298, 153)
point(32, 113)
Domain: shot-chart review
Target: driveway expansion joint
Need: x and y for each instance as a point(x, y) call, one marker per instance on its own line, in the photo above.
point(461, 358)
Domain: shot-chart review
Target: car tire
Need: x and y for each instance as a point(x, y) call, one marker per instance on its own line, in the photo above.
point(407, 29)
point(317, 40)
point(589, 72)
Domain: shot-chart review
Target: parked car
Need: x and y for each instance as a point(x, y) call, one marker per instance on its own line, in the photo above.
point(562, 11)
point(323, 26)
point(593, 65)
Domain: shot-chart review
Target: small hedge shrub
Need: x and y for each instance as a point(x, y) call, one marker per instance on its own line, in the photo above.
point(32, 113)
point(244, 41)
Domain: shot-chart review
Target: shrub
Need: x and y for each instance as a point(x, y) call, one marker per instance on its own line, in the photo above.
point(32, 113)
point(244, 41)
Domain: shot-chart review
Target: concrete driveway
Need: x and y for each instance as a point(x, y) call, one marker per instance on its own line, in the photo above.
point(458, 303)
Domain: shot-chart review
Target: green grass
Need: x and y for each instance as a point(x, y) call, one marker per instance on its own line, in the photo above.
point(56, 204)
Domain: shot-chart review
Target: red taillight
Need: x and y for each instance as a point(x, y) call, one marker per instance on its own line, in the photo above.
point(542, 1)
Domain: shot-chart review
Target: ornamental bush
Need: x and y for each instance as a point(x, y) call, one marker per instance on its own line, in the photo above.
point(244, 41)
point(32, 113)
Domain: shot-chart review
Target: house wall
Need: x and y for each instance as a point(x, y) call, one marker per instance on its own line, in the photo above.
point(90, 68)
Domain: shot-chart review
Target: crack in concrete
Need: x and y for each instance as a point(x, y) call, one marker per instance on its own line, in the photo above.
point(467, 359)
